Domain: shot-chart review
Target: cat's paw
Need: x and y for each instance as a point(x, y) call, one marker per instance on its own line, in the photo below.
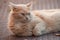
point(40, 29)
point(38, 32)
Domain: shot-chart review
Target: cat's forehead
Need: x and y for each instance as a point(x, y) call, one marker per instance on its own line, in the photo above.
point(21, 6)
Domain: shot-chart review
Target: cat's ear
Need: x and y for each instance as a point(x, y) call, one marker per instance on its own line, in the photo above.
point(29, 4)
point(11, 5)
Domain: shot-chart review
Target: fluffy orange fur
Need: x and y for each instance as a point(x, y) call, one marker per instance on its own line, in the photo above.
point(22, 21)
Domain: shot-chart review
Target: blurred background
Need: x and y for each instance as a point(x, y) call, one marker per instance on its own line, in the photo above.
point(38, 5)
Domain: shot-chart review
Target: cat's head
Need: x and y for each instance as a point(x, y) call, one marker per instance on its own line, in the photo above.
point(21, 12)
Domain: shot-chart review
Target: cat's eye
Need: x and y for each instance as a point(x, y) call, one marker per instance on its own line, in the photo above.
point(28, 13)
point(22, 14)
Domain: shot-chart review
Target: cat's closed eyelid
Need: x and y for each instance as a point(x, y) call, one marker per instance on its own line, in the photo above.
point(28, 13)
point(22, 14)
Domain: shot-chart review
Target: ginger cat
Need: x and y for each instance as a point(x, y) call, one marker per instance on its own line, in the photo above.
point(23, 21)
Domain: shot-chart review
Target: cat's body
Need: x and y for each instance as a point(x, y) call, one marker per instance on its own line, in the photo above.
point(28, 23)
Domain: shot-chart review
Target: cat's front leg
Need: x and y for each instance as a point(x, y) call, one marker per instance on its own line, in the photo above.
point(40, 29)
